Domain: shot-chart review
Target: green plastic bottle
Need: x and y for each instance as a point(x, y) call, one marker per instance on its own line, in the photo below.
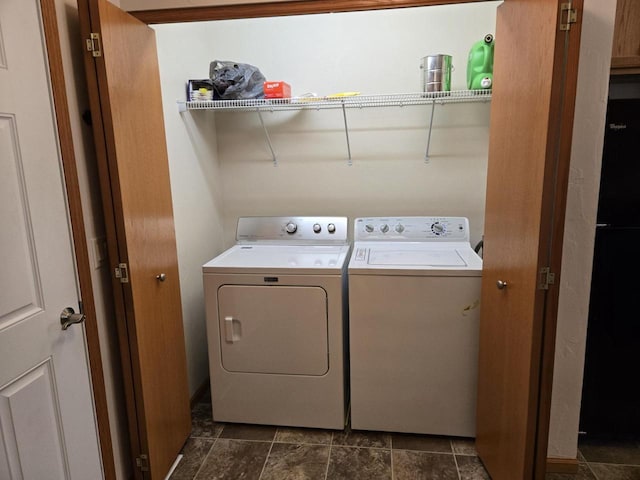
point(480, 64)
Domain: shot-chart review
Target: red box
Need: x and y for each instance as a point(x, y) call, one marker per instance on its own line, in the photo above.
point(277, 90)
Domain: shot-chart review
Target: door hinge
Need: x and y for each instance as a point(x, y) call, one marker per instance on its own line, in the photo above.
point(568, 15)
point(122, 272)
point(546, 278)
point(142, 462)
point(93, 45)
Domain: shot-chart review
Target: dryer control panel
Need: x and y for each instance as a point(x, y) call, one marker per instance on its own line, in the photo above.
point(412, 229)
point(308, 230)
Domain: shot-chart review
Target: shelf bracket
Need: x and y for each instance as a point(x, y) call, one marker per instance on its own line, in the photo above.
point(427, 157)
point(266, 135)
point(346, 131)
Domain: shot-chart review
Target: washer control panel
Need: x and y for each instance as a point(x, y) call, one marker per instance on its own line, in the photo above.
point(285, 229)
point(412, 229)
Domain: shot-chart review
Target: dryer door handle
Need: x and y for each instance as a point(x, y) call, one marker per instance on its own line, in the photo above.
point(228, 329)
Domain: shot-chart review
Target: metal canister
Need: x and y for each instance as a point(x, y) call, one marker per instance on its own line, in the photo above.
point(436, 73)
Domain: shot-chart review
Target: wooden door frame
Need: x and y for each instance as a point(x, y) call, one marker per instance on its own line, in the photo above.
point(67, 151)
point(149, 313)
point(279, 9)
point(129, 379)
point(564, 96)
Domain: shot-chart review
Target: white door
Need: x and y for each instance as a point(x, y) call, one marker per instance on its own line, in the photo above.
point(47, 421)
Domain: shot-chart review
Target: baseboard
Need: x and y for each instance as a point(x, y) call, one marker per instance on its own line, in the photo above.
point(562, 465)
point(200, 392)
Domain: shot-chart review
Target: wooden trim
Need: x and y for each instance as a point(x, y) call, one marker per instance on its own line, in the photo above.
point(58, 86)
point(625, 71)
point(562, 465)
point(278, 9)
point(626, 35)
point(561, 119)
point(625, 62)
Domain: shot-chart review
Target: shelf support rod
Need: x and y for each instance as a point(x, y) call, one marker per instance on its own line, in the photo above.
point(426, 156)
point(346, 131)
point(266, 134)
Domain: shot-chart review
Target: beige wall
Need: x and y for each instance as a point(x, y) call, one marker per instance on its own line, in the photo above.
point(197, 196)
point(580, 223)
point(221, 167)
point(71, 45)
point(370, 52)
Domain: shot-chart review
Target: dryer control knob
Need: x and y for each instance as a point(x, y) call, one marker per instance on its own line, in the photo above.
point(291, 227)
point(317, 228)
point(331, 228)
point(399, 228)
point(368, 228)
point(384, 228)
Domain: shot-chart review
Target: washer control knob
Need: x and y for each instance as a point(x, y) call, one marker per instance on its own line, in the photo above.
point(438, 228)
point(399, 228)
point(384, 228)
point(291, 227)
point(317, 228)
point(368, 228)
point(331, 228)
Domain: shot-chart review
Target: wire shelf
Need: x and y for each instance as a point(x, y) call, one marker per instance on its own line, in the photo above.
point(334, 102)
point(340, 102)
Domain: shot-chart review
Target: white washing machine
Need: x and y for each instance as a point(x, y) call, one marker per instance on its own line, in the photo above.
point(276, 309)
point(414, 293)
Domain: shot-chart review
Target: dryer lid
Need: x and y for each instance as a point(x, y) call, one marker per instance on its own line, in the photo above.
point(298, 259)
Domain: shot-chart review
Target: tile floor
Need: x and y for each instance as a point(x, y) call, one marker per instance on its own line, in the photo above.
point(231, 451)
point(606, 459)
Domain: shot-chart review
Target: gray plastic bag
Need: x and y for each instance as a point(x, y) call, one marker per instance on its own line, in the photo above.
point(233, 80)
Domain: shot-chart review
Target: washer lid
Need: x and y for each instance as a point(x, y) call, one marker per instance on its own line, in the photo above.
point(419, 258)
point(293, 259)
point(430, 258)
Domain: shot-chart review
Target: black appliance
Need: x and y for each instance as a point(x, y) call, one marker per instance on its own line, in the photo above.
point(611, 389)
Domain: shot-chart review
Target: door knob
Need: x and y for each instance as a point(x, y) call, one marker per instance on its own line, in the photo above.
point(161, 278)
point(69, 317)
point(501, 285)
